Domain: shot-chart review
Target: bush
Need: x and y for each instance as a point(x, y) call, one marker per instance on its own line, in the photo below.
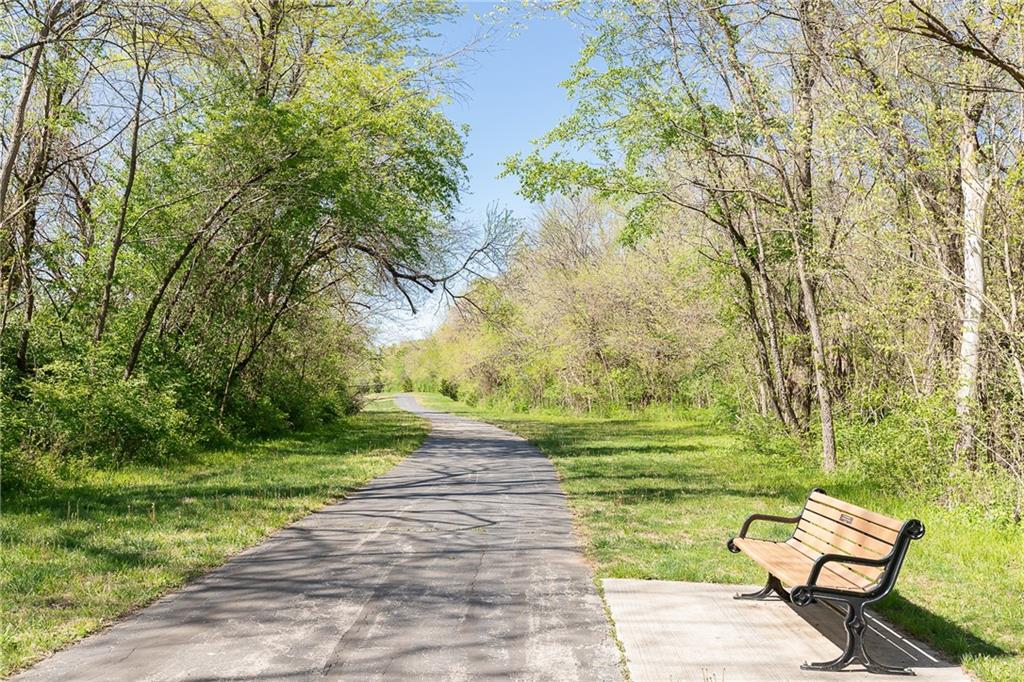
point(428, 383)
point(906, 448)
point(346, 403)
point(770, 437)
point(73, 413)
point(407, 385)
point(22, 472)
point(450, 389)
point(295, 403)
point(257, 417)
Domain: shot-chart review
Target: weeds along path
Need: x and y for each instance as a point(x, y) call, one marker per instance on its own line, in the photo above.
point(460, 563)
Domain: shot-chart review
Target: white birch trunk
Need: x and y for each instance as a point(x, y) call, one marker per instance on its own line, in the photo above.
point(975, 191)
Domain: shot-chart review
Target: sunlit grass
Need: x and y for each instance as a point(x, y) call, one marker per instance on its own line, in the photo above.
point(657, 495)
point(80, 555)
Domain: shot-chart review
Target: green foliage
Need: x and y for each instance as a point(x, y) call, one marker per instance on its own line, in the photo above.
point(581, 321)
point(770, 438)
point(827, 196)
point(258, 417)
point(71, 413)
point(449, 389)
point(907, 448)
point(241, 244)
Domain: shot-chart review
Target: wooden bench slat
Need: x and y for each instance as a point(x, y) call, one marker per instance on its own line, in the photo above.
point(826, 529)
point(861, 512)
point(835, 545)
point(842, 570)
point(839, 545)
point(855, 573)
point(789, 565)
point(867, 527)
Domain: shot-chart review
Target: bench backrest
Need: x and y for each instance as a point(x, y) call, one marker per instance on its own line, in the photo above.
point(831, 526)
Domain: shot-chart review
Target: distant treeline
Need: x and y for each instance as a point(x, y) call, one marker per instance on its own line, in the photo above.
point(808, 214)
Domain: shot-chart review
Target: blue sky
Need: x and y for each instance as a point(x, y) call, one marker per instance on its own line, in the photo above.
point(508, 96)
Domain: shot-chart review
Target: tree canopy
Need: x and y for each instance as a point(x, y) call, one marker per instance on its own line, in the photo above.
point(200, 204)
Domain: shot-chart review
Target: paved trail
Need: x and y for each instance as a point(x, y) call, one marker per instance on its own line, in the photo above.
point(459, 564)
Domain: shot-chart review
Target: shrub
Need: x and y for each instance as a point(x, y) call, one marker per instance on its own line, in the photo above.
point(450, 389)
point(303, 403)
point(428, 384)
point(256, 416)
point(771, 438)
point(347, 403)
point(71, 412)
point(906, 448)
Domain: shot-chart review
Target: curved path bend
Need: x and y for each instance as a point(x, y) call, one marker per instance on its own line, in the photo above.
point(458, 564)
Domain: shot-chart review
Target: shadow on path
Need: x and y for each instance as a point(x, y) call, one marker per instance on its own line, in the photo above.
point(460, 563)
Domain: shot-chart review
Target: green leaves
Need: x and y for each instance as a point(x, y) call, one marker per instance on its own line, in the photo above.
point(294, 168)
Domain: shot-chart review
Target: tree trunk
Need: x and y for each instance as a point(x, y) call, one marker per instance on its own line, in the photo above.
point(805, 75)
point(259, 338)
point(828, 438)
point(211, 220)
point(785, 396)
point(36, 173)
point(975, 191)
point(760, 344)
point(154, 303)
point(18, 123)
point(1010, 320)
point(115, 247)
point(28, 244)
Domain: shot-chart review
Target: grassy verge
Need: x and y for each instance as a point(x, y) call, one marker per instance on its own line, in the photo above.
point(82, 554)
point(656, 497)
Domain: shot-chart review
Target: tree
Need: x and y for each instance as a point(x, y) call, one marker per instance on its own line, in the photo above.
point(701, 127)
point(195, 195)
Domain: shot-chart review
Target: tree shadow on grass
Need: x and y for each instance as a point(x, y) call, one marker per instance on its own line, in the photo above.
point(114, 532)
point(680, 488)
point(604, 430)
point(189, 476)
point(953, 640)
point(663, 449)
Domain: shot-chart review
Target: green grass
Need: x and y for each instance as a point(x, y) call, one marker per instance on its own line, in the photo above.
point(656, 496)
point(80, 555)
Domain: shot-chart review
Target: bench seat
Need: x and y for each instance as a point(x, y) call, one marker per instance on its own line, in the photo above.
point(792, 566)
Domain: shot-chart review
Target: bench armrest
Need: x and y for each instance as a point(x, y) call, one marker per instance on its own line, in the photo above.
point(758, 517)
point(819, 564)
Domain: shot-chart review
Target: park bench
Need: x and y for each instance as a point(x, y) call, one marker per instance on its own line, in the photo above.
point(838, 552)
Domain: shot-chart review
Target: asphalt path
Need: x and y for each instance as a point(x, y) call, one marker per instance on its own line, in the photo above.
point(458, 564)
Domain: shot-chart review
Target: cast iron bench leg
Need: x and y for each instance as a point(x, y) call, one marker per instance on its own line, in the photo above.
point(856, 626)
point(772, 586)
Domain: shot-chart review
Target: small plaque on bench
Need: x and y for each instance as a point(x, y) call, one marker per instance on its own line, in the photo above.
point(846, 518)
